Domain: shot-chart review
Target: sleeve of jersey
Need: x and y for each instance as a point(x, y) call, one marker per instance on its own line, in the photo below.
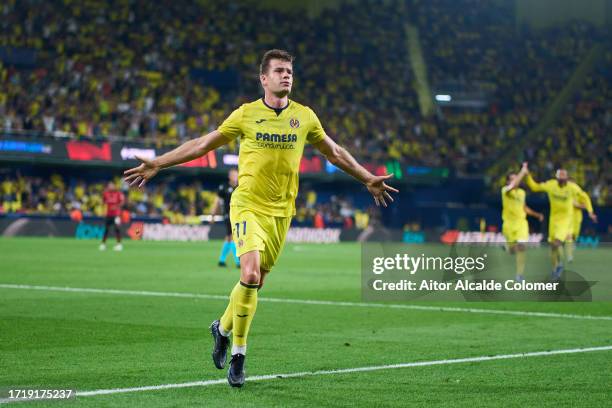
point(316, 132)
point(231, 128)
point(585, 199)
point(535, 186)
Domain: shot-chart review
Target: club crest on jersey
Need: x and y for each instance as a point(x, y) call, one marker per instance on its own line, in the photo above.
point(294, 123)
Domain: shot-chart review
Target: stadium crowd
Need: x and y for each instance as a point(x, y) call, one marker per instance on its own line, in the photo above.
point(141, 72)
point(478, 48)
point(581, 140)
point(162, 72)
point(174, 202)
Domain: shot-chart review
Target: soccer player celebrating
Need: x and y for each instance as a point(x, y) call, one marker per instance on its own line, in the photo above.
point(514, 214)
point(581, 202)
point(224, 195)
point(113, 199)
point(273, 131)
point(561, 194)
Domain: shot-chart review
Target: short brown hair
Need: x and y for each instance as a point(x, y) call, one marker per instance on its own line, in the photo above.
point(273, 54)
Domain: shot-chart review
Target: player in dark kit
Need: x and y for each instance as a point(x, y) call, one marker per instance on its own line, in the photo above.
point(224, 195)
point(113, 199)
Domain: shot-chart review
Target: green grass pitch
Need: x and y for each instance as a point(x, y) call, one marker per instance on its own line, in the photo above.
point(92, 341)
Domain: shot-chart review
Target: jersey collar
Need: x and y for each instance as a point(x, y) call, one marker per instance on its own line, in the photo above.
point(277, 110)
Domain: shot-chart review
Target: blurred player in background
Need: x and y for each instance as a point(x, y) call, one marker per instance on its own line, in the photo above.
point(113, 200)
point(581, 202)
point(224, 195)
point(561, 194)
point(273, 131)
point(514, 214)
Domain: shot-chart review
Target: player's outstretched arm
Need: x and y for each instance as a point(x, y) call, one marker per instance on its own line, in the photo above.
point(187, 151)
point(531, 183)
point(585, 203)
point(517, 180)
point(340, 157)
point(533, 213)
point(579, 205)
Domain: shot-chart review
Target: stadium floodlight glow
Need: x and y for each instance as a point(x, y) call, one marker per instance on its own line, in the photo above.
point(230, 159)
point(130, 153)
point(443, 98)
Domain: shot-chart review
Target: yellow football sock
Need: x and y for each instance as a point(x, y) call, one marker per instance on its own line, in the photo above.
point(554, 254)
point(227, 320)
point(569, 250)
point(245, 304)
point(520, 263)
point(557, 254)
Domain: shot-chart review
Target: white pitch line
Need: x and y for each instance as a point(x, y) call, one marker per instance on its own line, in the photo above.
point(332, 372)
point(340, 371)
point(309, 302)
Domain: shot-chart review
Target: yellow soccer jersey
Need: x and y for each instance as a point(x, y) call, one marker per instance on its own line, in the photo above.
point(561, 197)
point(271, 146)
point(513, 205)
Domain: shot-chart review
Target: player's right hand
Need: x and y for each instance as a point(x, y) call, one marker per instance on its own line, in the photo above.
point(525, 168)
point(139, 175)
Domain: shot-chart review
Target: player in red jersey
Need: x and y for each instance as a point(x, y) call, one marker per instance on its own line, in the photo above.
point(113, 199)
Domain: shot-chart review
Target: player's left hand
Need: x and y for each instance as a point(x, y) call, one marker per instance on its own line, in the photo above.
point(380, 190)
point(139, 175)
point(593, 217)
point(540, 217)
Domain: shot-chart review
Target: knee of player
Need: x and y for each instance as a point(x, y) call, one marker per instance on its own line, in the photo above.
point(250, 275)
point(262, 276)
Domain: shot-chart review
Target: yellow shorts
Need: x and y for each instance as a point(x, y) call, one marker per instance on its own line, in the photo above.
point(516, 231)
point(255, 231)
point(559, 229)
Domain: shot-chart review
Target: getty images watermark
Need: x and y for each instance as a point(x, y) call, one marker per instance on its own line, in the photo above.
point(476, 272)
point(458, 265)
